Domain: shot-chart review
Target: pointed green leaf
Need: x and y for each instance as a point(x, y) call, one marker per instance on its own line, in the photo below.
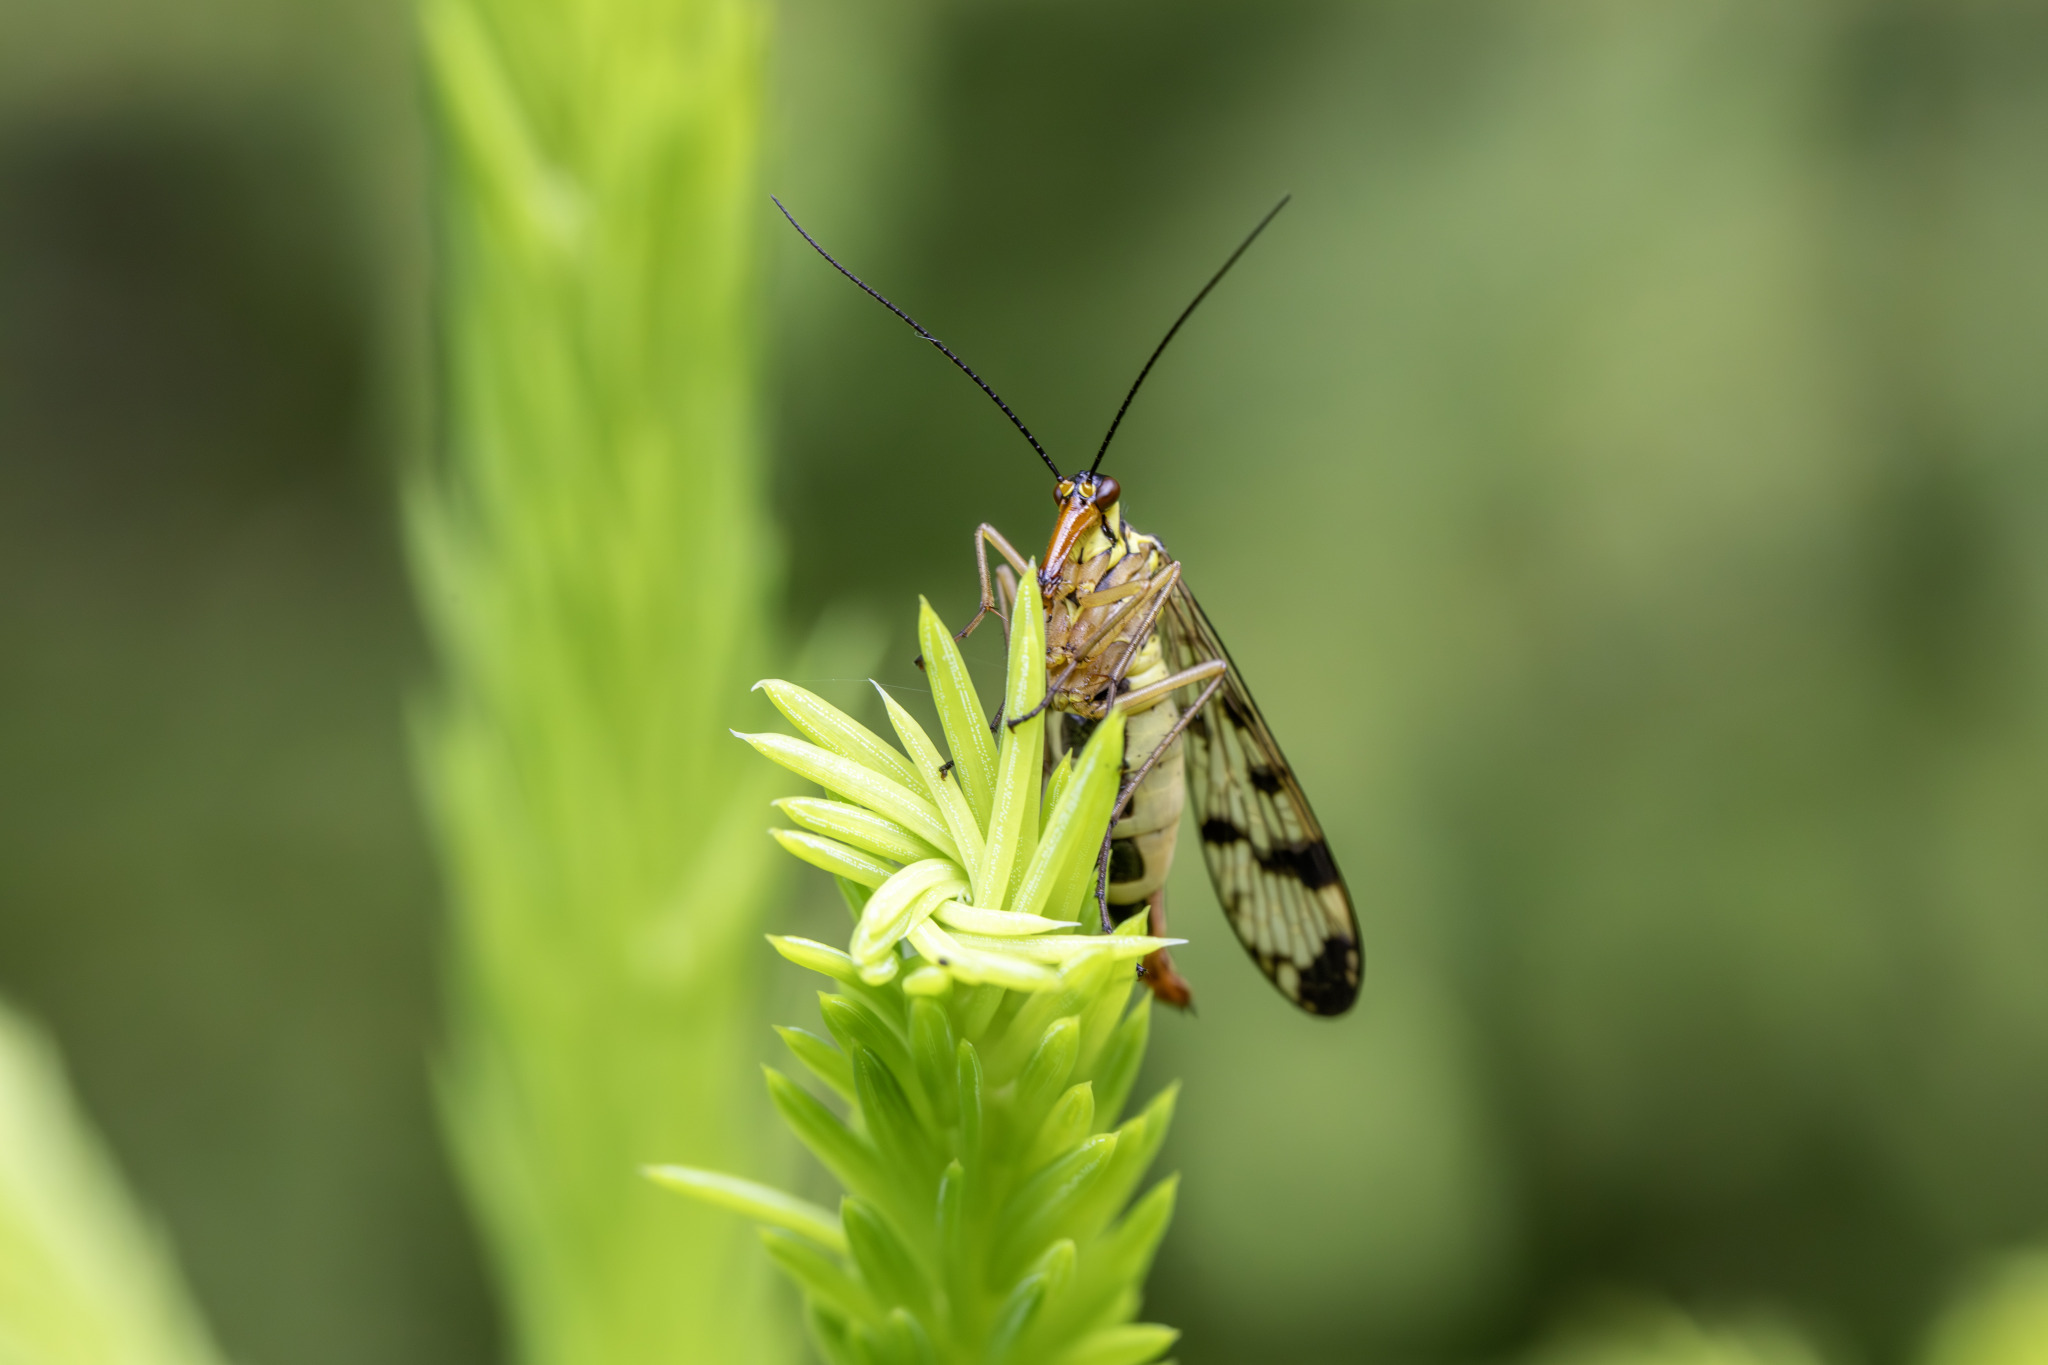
point(1071, 992)
point(832, 1334)
point(893, 1126)
point(838, 1148)
point(956, 1273)
point(869, 1347)
point(973, 919)
point(931, 1050)
point(1056, 1266)
point(1123, 1254)
point(1055, 788)
point(855, 1024)
point(976, 1009)
point(1065, 859)
point(1118, 1069)
point(1071, 1121)
point(1043, 1206)
point(1032, 749)
point(850, 779)
point(858, 1344)
point(960, 711)
point(1057, 948)
point(1022, 762)
point(821, 1277)
point(829, 961)
point(1139, 1140)
point(821, 1059)
point(1024, 673)
point(858, 826)
point(976, 965)
point(1133, 1343)
point(967, 1086)
point(822, 958)
point(1045, 1075)
point(907, 1339)
point(900, 903)
point(1100, 1020)
point(1022, 1305)
point(963, 830)
point(1027, 841)
point(841, 860)
point(763, 1203)
point(886, 1264)
point(832, 729)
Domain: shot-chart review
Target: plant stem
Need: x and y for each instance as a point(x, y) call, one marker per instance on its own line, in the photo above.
point(593, 566)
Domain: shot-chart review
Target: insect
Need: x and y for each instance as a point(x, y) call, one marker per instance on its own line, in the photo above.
point(1124, 632)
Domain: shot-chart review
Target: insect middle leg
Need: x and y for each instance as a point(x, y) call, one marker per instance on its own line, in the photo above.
point(1150, 694)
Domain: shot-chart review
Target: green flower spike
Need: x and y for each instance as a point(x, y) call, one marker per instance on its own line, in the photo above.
point(979, 1044)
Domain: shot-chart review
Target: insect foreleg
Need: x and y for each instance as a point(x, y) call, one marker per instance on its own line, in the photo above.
point(986, 535)
point(1155, 592)
point(1080, 656)
point(1131, 588)
point(1130, 787)
point(1052, 689)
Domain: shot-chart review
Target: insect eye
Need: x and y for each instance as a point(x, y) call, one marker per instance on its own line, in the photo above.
point(1063, 490)
point(1107, 492)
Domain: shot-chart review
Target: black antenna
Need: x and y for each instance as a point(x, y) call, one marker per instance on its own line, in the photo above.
point(1157, 351)
point(965, 368)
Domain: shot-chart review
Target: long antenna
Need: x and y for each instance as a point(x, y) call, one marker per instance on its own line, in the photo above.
point(1158, 350)
point(944, 350)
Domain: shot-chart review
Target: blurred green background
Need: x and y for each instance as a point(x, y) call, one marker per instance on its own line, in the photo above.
point(1620, 473)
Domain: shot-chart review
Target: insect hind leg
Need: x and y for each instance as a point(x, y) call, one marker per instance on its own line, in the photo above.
point(1130, 787)
point(1156, 969)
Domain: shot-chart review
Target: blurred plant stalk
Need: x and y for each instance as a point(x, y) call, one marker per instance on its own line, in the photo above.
point(593, 557)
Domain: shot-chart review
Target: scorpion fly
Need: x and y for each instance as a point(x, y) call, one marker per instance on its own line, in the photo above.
point(1123, 632)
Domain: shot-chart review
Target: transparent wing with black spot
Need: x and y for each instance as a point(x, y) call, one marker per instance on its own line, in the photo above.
point(1271, 867)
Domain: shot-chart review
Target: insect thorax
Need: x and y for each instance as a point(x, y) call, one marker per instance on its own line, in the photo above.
point(1099, 621)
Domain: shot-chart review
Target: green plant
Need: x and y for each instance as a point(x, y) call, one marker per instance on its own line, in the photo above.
point(1635, 1330)
point(84, 1278)
point(2000, 1318)
point(982, 1048)
point(594, 561)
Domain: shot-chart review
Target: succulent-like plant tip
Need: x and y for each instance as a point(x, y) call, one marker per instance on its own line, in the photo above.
point(980, 1042)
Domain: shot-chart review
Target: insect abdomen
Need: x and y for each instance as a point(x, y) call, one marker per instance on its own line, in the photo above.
point(1141, 845)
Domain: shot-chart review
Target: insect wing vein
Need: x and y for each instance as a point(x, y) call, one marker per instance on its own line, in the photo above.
point(1266, 854)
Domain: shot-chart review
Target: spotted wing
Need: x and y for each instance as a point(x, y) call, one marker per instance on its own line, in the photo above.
point(1267, 858)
